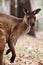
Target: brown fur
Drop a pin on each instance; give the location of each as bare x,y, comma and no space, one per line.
10,29
2,47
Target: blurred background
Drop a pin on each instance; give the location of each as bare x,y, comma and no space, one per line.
26,45
15,7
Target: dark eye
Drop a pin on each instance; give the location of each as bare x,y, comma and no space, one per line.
34,18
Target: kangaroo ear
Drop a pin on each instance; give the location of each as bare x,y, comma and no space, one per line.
36,11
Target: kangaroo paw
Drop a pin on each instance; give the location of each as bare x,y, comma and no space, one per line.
12,59
8,51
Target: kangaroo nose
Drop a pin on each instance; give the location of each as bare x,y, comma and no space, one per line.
33,24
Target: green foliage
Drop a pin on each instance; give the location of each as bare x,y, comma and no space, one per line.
6,0
0,1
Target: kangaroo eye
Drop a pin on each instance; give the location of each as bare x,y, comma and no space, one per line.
34,18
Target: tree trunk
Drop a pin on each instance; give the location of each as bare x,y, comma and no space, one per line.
17,10
13,8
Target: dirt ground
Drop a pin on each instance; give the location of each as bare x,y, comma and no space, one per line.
29,51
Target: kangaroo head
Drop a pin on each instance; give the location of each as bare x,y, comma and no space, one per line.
29,17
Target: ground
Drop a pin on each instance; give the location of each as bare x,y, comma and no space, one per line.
29,51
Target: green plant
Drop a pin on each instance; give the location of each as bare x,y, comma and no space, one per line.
0,1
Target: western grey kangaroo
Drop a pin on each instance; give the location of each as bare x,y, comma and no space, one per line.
30,19
11,28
